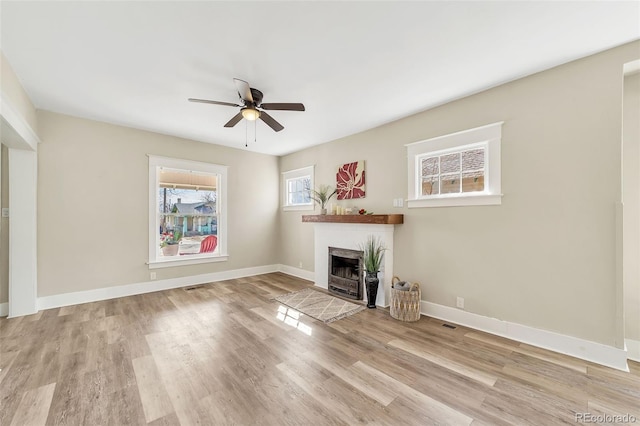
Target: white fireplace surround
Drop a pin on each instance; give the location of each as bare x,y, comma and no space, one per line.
352,236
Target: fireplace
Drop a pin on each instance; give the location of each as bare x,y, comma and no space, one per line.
345,272
351,236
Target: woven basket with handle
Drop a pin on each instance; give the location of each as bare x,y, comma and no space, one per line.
405,305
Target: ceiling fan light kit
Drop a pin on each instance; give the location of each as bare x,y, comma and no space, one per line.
250,114
252,107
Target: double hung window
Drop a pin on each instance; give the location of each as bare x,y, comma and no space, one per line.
187,212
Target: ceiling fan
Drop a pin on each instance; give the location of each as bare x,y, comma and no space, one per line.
252,106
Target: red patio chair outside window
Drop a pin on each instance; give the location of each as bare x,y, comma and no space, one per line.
209,244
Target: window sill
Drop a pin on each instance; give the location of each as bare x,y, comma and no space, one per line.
298,208
169,263
464,200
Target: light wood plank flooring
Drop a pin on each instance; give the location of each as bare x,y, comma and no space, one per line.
218,354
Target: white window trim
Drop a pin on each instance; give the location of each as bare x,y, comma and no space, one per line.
221,192
489,136
293,174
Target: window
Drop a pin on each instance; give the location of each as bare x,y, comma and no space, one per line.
187,212
296,187
456,170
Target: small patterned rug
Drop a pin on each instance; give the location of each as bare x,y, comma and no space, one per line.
318,305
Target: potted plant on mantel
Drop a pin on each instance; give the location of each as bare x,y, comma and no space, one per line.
322,195
373,253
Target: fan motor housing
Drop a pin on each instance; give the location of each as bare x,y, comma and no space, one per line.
257,96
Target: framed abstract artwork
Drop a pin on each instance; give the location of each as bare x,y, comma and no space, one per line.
350,181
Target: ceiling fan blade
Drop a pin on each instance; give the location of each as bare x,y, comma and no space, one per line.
283,107
243,89
270,121
206,101
236,118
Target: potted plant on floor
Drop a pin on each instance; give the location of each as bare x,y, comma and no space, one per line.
322,195
373,253
169,243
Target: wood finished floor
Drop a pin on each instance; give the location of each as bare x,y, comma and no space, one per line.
218,355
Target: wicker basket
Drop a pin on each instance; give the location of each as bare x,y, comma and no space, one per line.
405,305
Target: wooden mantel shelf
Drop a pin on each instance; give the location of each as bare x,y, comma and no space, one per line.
378,219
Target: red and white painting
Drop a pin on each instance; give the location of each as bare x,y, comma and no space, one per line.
350,180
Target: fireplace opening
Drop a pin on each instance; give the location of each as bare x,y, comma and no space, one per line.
345,272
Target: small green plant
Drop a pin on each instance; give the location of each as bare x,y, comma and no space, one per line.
373,250
322,195
170,238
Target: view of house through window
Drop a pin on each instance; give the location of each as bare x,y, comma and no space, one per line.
187,213
458,169
453,173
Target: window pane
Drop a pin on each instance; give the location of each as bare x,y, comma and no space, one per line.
473,181
430,166
187,218
298,191
450,163
473,160
430,186
449,184
306,183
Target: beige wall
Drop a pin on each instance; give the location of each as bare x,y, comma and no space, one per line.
4,226
546,257
16,95
93,204
631,198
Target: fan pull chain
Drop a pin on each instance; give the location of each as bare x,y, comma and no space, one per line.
246,133
255,131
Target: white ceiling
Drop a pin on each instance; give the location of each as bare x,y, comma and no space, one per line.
355,65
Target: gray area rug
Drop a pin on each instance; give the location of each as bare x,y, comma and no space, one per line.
318,305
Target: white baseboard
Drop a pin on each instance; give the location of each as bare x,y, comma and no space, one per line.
633,349
579,348
568,345
75,298
297,272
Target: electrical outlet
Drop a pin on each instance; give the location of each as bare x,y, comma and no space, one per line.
152,275
460,302
300,265
5,212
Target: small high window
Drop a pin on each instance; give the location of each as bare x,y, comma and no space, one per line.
458,172
297,185
458,169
